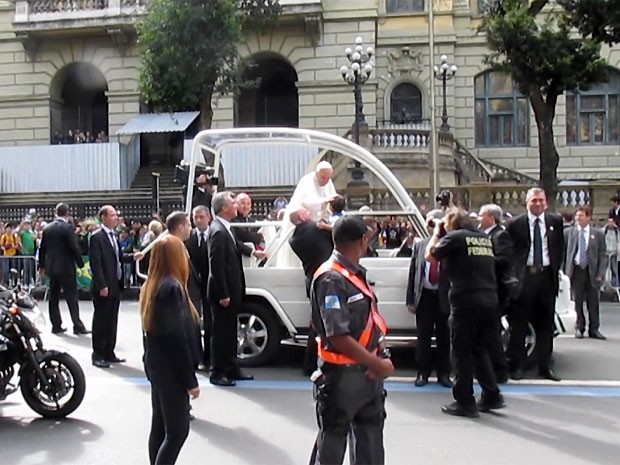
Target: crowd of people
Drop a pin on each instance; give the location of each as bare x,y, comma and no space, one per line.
79,137
196,286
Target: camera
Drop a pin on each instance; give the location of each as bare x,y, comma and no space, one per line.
444,198
181,174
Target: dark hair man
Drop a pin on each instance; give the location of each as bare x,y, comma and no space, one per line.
586,264
473,304
59,255
427,298
353,363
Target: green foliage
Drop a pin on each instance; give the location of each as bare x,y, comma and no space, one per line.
598,19
542,55
189,49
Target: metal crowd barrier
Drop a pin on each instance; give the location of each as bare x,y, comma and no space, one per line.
26,267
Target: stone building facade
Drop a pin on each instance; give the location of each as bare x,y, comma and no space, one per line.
75,63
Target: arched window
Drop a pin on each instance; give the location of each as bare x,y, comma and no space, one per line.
592,115
405,104
502,112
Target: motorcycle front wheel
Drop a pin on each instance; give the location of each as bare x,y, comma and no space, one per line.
65,388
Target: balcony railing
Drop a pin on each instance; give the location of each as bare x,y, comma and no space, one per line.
406,137
27,11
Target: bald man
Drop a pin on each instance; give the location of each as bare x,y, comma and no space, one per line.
244,210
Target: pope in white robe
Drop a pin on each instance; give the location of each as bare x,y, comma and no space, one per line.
313,192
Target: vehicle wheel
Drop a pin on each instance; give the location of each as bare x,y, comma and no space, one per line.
530,342
66,389
258,335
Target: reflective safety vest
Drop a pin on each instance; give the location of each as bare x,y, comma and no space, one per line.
375,320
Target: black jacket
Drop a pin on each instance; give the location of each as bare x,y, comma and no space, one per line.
199,269
247,234
60,253
504,270
519,230
167,355
103,263
226,277
313,246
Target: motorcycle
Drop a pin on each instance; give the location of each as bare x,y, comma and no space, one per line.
51,382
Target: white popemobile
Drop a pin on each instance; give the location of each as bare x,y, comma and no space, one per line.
276,310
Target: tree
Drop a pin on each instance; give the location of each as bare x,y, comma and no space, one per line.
545,58
598,19
189,50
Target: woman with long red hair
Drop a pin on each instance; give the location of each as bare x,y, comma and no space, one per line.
165,310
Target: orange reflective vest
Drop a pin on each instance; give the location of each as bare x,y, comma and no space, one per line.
375,320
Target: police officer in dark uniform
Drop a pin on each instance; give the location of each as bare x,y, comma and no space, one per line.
353,360
473,307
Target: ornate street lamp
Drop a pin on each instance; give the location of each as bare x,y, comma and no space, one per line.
444,73
356,74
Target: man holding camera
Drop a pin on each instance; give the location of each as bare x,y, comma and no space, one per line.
473,303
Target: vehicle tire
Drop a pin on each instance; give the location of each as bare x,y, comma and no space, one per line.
68,386
531,352
258,335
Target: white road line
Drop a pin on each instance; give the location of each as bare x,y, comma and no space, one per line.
535,382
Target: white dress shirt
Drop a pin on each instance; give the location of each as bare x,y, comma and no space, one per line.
226,224
543,234
114,244
205,235
426,284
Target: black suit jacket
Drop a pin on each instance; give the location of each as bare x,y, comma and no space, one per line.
247,234
199,269
614,216
104,263
504,269
226,277
313,246
519,230
60,253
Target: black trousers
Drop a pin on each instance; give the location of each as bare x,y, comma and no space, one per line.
584,291
349,406
431,320
224,339
535,304
472,337
169,423
68,284
105,325
207,331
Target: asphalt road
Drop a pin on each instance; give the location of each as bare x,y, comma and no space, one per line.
270,420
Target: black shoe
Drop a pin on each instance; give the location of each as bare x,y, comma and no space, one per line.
81,331
101,363
458,410
115,359
578,333
550,375
597,335
241,376
222,380
445,381
516,374
59,330
421,380
486,405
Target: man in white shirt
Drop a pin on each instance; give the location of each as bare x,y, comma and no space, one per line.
585,265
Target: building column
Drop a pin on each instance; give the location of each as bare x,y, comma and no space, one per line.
122,106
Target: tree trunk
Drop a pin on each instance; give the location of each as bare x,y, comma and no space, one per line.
544,112
206,113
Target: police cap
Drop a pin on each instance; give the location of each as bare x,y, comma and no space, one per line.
349,229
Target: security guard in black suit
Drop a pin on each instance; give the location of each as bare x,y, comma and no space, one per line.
353,361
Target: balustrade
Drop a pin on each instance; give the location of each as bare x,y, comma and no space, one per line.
58,6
